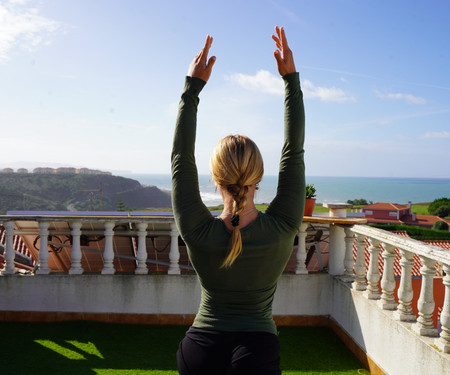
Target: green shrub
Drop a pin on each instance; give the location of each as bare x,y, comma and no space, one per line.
434,206
443,211
416,233
440,225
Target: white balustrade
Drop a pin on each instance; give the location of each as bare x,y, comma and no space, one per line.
348,260
9,253
174,254
387,301
337,250
108,253
301,251
425,304
373,273
405,293
76,268
141,255
42,264
443,343
360,265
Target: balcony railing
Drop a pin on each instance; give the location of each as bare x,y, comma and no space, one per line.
111,243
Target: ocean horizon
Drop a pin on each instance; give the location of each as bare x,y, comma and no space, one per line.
329,189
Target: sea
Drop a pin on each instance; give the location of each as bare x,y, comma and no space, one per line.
329,189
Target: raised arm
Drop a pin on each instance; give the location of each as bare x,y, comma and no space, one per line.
288,204
189,210
283,54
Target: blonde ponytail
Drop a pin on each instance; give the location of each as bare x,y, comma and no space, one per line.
236,163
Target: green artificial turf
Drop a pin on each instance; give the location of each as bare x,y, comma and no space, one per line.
83,348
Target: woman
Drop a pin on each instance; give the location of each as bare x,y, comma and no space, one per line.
240,255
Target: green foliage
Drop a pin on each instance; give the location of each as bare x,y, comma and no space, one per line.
440,225
434,206
121,206
443,211
359,202
310,191
416,233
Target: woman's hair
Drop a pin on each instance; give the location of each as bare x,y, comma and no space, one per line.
235,164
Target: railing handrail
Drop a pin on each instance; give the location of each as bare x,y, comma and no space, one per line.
417,247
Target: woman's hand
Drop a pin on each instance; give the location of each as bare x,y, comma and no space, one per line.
283,55
201,67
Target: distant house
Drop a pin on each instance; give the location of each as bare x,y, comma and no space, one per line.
7,170
42,170
392,213
22,170
85,171
66,170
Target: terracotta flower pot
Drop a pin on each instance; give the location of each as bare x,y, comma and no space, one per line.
309,206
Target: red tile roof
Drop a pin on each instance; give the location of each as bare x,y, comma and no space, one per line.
423,220
385,206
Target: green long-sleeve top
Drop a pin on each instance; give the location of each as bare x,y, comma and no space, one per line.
238,298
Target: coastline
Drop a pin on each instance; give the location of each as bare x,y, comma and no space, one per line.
329,189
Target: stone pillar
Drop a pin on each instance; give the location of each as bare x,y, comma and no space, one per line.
76,254
348,260
336,250
9,253
405,292
443,343
373,274
301,251
43,268
174,254
425,304
108,253
387,301
360,265
141,255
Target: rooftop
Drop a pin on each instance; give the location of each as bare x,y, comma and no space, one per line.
102,268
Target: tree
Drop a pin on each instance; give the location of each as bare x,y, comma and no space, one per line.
434,206
440,225
443,211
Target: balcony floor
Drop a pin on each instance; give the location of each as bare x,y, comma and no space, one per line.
106,349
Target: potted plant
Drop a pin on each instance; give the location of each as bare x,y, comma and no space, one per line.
310,201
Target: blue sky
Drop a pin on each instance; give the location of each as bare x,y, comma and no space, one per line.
96,83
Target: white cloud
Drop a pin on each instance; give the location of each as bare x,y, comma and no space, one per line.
440,135
266,82
22,26
399,96
326,94
263,81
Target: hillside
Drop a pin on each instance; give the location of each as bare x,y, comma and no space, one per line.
76,192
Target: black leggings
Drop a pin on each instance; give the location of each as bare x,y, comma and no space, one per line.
221,353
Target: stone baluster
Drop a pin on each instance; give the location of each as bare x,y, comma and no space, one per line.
387,301
348,260
360,265
141,255
42,264
405,292
108,253
373,273
301,250
9,253
76,255
337,250
425,304
443,343
174,254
